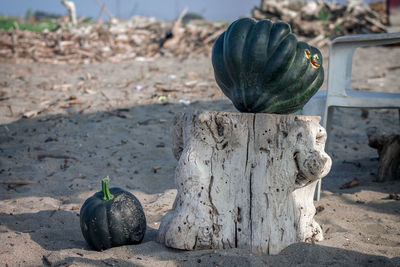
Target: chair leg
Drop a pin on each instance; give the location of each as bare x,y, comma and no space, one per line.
319,189
328,125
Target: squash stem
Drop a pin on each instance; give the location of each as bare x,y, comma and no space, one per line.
106,192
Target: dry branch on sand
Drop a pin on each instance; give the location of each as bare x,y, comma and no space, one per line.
323,20
388,146
114,41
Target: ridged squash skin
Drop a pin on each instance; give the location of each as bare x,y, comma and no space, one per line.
261,67
114,221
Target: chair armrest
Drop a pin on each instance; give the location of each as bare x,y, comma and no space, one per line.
368,39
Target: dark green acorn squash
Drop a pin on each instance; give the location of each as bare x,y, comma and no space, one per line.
112,217
262,67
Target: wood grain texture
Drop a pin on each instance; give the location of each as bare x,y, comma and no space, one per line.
388,146
245,180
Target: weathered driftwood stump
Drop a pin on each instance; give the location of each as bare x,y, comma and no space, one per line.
245,180
388,146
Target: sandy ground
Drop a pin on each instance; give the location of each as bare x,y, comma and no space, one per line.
89,121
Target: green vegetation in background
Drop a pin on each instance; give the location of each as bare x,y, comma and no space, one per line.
11,23
224,23
324,14
191,16
39,15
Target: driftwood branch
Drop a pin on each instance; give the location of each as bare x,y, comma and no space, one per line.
177,31
322,20
104,8
388,146
71,11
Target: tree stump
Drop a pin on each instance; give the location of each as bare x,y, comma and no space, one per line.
388,146
245,180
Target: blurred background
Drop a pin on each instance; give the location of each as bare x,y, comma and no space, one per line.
213,10
87,31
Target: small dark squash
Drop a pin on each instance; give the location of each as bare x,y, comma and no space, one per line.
112,217
261,67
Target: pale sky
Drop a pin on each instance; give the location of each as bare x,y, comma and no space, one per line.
224,10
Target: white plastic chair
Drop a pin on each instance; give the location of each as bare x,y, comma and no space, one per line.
339,92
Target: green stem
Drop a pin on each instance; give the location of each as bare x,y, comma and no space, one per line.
106,192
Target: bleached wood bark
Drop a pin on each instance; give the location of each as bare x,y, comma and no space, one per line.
245,180
70,5
388,146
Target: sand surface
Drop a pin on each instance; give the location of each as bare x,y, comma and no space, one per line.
89,121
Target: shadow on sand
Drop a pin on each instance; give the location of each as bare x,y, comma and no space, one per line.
67,155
